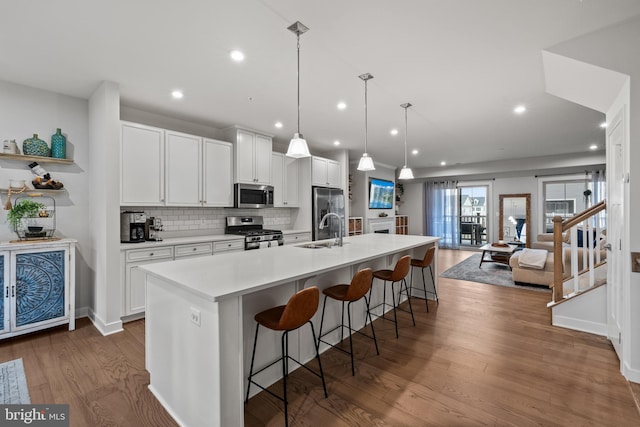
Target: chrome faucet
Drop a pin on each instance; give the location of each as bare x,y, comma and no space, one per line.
322,224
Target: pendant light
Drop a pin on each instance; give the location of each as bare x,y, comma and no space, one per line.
405,173
366,162
298,146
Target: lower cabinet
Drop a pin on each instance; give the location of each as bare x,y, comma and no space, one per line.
134,291
38,288
297,238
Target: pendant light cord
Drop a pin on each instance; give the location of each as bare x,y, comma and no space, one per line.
298,83
365,117
405,136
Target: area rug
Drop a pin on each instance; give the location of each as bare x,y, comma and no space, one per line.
490,273
13,383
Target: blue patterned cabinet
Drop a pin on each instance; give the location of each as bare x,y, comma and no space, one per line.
39,288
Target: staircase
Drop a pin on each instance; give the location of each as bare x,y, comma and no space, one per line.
579,298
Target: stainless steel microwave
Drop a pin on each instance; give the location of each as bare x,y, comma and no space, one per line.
253,196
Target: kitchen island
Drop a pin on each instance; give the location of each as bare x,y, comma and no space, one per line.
200,326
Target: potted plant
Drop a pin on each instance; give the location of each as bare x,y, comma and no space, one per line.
24,209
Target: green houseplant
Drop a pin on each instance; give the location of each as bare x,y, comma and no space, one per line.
24,209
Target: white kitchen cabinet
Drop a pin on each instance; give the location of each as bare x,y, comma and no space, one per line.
228,246
141,165
134,286
183,177
285,178
294,238
38,287
252,156
193,250
217,177
325,172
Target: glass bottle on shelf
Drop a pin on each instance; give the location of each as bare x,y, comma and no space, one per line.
58,145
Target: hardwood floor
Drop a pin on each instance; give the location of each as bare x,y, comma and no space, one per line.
486,355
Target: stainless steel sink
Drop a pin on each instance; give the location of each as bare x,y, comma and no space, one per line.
319,245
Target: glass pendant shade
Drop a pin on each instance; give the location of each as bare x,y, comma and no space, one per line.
298,147
366,163
406,173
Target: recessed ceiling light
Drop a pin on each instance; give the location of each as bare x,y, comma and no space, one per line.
177,94
414,152
237,55
520,109
603,125
394,132
341,105
443,163
593,147
278,125
336,142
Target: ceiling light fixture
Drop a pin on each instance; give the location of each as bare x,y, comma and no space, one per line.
443,163
366,162
298,146
336,142
341,105
278,125
237,55
593,147
177,94
520,109
414,152
603,125
394,132
405,172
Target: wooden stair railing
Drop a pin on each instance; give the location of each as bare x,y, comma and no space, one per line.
569,225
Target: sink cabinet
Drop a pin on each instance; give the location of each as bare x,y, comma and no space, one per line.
38,287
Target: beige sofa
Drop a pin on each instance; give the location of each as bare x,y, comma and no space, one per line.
545,275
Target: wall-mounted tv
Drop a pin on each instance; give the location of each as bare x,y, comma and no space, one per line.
380,194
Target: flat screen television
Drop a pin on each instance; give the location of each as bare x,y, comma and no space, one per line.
380,194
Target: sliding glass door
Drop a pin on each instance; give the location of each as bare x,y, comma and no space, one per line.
472,220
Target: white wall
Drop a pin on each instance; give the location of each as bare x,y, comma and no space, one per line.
25,111
412,205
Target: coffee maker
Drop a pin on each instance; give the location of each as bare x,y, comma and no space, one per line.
152,227
132,225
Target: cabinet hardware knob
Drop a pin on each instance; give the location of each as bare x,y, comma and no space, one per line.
151,254
13,291
195,249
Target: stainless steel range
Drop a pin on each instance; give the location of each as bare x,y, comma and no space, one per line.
255,237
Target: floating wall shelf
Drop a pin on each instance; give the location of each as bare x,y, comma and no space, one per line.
39,159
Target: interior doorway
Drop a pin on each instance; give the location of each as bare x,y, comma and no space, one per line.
472,221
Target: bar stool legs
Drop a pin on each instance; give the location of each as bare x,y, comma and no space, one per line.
358,288
397,275
298,311
427,261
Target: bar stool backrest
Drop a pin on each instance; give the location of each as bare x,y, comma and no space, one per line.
428,257
360,285
299,309
401,269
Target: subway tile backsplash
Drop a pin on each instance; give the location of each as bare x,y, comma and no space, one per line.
177,219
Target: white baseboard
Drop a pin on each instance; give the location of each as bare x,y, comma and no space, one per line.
630,373
580,325
105,328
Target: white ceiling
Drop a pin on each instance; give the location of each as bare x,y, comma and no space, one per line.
463,64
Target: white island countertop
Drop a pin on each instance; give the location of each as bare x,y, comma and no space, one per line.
237,273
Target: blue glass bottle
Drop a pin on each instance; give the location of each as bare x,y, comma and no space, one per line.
58,145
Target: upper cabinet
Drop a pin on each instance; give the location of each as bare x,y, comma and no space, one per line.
325,172
166,168
285,179
141,165
252,156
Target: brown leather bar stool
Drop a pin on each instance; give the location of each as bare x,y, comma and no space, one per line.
397,275
360,285
423,263
299,310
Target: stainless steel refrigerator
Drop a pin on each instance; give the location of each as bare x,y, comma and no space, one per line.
327,200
